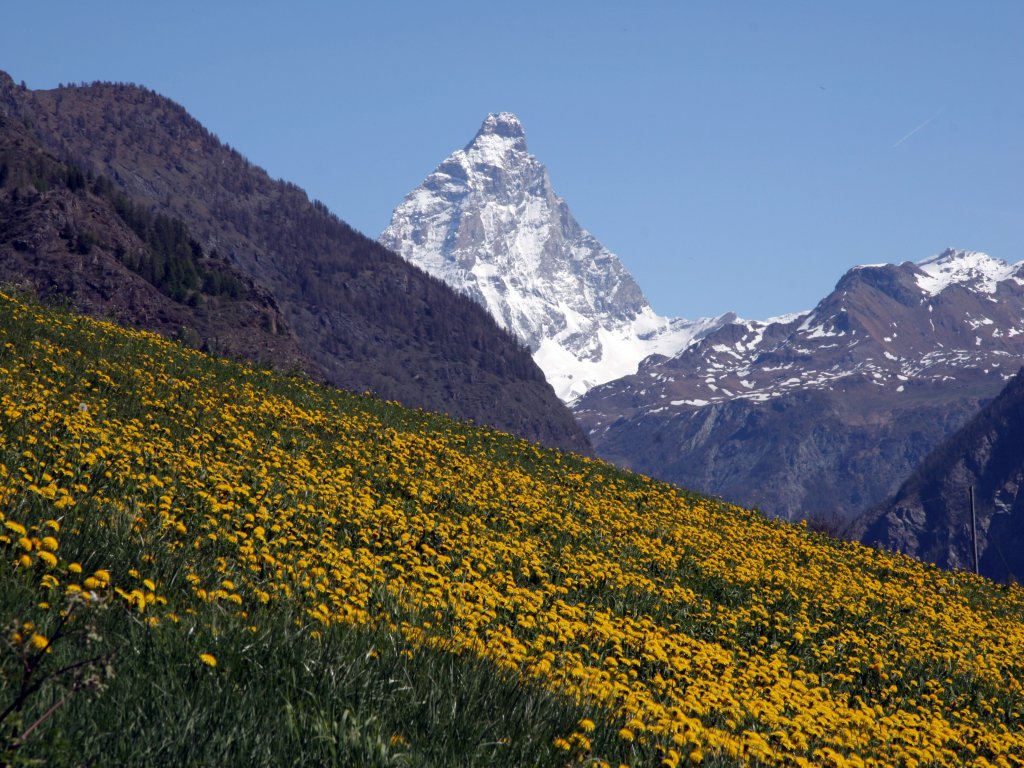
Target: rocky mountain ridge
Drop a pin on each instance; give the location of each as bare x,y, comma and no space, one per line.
892,324
487,221
822,413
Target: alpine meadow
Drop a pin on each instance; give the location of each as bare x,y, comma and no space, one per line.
208,563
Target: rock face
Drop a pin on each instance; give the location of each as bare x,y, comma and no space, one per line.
357,315
929,516
489,224
822,414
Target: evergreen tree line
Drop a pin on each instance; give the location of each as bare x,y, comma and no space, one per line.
172,261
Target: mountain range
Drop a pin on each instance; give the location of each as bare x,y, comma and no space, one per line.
818,414
823,413
116,199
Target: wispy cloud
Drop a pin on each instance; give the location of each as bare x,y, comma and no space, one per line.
918,128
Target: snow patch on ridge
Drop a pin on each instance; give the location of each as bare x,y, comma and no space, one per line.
979,270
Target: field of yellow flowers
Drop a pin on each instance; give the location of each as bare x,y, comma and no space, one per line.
247,540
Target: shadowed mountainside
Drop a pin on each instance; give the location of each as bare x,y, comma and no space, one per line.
929,517
359,315
822,415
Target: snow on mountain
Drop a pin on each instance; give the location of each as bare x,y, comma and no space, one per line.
823,412
895,326
489,224
976,270
921,333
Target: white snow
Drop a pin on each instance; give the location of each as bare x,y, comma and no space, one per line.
488,223
787,318
982,272
622,349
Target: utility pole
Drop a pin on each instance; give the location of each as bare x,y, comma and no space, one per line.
974,530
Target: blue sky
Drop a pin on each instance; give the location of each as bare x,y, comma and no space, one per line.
735,155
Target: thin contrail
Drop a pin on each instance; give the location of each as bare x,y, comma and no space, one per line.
922,125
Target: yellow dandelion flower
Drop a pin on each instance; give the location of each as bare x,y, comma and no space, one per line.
39,642
208,659
47,557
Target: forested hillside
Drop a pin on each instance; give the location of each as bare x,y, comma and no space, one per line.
359,313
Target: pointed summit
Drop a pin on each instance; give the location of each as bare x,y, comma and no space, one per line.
503,124
489,224
501,141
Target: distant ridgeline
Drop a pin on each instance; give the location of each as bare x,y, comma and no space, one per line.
118,200
822,414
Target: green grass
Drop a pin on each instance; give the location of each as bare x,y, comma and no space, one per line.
278,696
743,594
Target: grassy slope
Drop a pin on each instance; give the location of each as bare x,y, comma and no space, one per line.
383,587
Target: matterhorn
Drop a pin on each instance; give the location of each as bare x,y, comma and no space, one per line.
489,224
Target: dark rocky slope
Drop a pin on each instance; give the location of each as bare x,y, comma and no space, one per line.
63,239
929,516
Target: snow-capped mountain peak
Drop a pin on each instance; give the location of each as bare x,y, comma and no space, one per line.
500,142
488,222
977,270
504,124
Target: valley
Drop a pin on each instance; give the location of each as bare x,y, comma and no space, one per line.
819,415
272,492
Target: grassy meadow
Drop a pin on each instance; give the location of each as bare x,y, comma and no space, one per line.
202,563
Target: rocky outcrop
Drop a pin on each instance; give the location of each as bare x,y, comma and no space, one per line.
929,516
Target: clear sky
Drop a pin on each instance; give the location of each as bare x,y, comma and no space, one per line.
735,155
